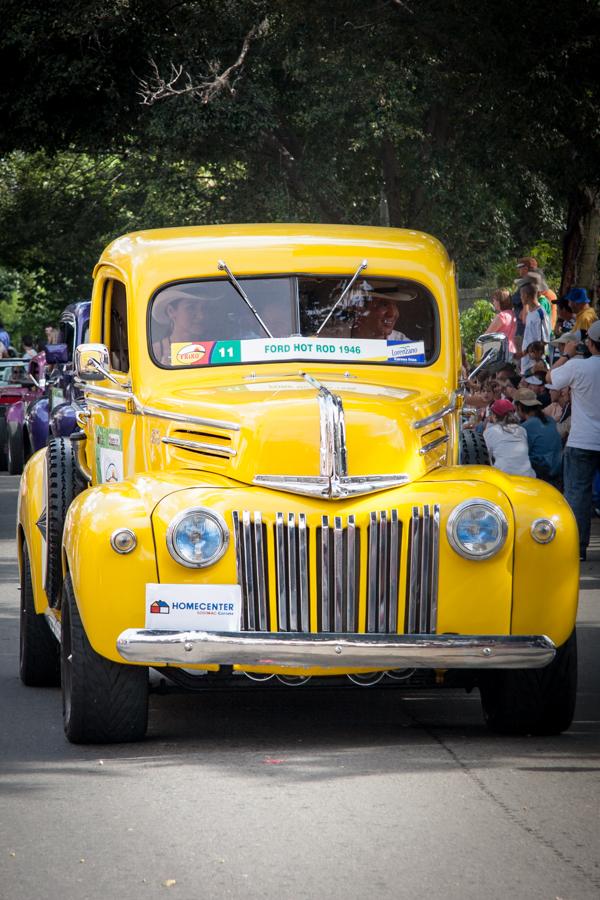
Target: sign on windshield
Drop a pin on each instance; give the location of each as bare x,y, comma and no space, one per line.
208,323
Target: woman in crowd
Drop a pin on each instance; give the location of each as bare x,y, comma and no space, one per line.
545,445
505,321
506,441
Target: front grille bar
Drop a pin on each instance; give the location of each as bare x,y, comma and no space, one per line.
422,582
338,584
291,566
383,572
251,561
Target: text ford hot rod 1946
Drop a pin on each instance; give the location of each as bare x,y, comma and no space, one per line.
268,479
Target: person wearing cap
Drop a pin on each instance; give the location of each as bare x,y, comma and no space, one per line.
580,304
506,440
582,453
545,445
536,384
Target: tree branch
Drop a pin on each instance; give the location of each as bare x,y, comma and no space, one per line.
180,83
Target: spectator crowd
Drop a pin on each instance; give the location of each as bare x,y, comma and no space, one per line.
539,413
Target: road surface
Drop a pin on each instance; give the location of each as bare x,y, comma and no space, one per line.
299,792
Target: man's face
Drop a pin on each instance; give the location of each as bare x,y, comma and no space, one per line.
380,316
522,270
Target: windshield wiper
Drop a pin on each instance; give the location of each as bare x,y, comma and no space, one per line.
362,266
223,267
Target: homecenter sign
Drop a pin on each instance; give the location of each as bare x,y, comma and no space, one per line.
194,607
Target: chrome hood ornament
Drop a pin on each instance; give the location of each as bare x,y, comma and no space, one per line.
333,481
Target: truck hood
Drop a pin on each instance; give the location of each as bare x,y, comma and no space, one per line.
309,435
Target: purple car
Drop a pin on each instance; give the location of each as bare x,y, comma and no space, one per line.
49,410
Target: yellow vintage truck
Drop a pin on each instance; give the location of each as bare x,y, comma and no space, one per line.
271,479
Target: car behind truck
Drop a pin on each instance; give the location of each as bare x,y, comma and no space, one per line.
271,477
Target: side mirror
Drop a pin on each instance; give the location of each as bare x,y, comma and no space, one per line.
57,353
492,346
92,362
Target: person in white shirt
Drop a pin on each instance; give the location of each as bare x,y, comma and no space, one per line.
507,441
582,453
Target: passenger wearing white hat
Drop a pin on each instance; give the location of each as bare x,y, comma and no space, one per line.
181,311
379,314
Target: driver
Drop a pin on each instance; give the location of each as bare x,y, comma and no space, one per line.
377,314
183,315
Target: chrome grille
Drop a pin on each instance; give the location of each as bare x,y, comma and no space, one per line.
422,581
326,559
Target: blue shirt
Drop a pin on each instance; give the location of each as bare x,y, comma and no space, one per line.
4,337
545,445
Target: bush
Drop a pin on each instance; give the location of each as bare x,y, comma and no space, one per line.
473,322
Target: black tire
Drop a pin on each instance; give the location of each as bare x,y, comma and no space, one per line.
473,449
39,651
15,448
3,444
532,701
63,484
103,702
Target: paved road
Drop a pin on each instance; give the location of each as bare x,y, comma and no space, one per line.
299,793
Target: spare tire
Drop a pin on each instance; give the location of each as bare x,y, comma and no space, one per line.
63,483
473,450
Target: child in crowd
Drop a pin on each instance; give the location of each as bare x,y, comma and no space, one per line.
507,441
535,356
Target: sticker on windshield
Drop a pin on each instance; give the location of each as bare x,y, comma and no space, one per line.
406,351
257,350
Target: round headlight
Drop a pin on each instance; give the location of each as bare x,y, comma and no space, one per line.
197,537
477,529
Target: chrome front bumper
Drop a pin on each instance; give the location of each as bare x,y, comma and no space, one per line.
376,651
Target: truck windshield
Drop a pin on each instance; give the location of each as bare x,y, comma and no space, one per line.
380,320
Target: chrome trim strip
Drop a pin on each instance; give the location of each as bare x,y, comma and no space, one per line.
104,404
292,593
261,581
338,574
435,563
397,651
53,623
325,613
351,623
216,449
424,580
429,420
372,575
110,393
280,566
303,572
413,587
248,572
383,572
433,444
191,420
392,624
331,488
237,535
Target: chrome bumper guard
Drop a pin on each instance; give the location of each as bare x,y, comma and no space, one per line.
377,651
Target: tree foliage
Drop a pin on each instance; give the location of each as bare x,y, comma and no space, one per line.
473,121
